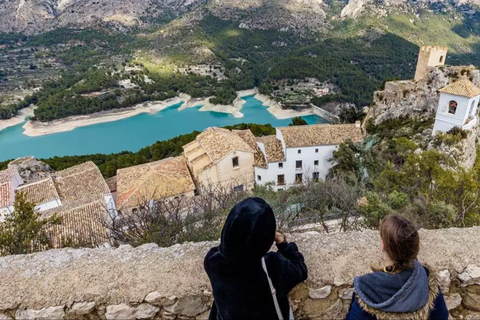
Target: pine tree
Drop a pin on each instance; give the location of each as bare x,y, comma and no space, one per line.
25,231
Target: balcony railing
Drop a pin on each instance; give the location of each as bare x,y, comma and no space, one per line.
470,123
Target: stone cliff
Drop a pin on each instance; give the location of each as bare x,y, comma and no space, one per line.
169,283
37,16
419,99
409,98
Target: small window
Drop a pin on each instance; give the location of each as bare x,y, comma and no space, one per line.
472,109
280,165
299,151
316,176
259,178
238,188
441,59
235,162
280,189
299,164
298,178
316,150
281,179
452,107
315,162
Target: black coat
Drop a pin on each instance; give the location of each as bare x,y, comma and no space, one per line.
240,286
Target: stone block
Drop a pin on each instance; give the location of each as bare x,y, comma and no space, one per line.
471,275
146,311
321,293
154,298
120,311
81,308
453,301
471,299
444,280
3,316
45,313
190,306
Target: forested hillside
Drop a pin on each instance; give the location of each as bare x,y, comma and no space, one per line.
253,44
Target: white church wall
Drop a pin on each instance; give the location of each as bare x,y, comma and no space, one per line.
444,120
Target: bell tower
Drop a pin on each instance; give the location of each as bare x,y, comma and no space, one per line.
429,57
457,106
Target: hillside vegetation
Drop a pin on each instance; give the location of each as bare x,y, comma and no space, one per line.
356,54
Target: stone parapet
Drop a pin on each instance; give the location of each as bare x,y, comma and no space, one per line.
149,282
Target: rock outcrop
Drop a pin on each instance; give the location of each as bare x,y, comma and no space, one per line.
409,98
31,169
35,16
169,283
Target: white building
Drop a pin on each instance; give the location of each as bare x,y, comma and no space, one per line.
457,106
9,181
300,153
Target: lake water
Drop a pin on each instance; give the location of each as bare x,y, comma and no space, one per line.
133,133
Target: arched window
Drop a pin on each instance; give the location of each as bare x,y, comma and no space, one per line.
441,59
472,109
452,107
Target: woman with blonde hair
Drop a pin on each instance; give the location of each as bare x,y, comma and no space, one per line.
403,289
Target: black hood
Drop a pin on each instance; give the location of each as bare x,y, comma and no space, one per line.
249,230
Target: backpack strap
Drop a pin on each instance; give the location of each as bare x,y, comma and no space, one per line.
272,289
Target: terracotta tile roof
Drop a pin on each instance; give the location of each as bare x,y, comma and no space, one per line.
40,192
463,87
273,148
249,138
81,226
218,143
320,134
80,184
5,194
165,178
7,175
89,165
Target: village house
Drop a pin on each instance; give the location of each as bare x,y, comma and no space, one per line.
154,181
298,154
457,106
221,157
78,195
9,181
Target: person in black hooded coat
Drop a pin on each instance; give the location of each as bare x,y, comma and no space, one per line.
239,283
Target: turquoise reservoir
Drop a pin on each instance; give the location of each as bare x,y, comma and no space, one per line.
133,133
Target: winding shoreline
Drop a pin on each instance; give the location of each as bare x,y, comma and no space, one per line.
18,119
35,129
276,109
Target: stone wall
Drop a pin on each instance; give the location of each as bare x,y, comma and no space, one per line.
169,283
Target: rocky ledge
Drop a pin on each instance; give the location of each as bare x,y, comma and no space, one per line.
149,282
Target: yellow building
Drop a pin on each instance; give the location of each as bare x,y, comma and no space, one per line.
429,57
221,157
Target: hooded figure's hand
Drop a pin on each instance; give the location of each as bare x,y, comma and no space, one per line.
280,237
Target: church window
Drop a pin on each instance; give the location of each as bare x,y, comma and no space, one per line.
452,107
472,109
